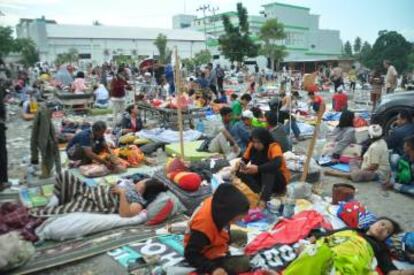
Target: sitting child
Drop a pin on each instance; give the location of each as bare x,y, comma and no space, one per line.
101,97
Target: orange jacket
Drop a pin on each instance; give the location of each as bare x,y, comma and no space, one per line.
274,151
202,221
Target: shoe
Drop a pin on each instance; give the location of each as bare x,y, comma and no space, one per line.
387,186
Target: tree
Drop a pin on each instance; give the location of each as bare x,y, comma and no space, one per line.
410,66
391,46
348,49
236,43
365,52
357,45
270,33
27,48
161,44
6,41
202,57
68,57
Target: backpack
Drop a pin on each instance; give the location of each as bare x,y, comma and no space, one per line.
404,175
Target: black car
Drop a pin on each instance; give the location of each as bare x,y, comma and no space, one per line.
389,106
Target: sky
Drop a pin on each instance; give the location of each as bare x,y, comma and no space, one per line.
352,18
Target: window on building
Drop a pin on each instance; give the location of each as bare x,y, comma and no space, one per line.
85,56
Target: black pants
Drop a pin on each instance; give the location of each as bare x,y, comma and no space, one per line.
338,82
3,155
213,88
352,86
220,81
266,183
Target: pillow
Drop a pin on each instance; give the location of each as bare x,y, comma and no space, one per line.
159,209
141,141
188,181
93,170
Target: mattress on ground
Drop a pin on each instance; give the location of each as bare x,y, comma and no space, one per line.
191,200
190,150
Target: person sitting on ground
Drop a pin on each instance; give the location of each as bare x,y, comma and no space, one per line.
370,242
240,131
101,96
404,127
245,99
344,134
208,235
375,164
131,121
30,108
258,120
263,167
340,100
86,145
78,85
403,169
277,131
284,113
316,101
236,107
222,141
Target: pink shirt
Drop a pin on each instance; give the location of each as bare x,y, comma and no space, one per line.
78,86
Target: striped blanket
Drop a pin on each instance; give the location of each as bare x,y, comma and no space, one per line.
75,196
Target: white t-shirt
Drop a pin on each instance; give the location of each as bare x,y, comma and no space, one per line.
391,77
101,93
377,153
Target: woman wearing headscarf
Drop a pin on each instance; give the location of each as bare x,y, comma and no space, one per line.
263,167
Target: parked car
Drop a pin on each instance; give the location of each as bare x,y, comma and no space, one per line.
389,106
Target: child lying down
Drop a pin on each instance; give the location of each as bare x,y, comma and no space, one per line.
349,251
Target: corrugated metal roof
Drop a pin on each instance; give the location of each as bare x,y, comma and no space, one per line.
117,32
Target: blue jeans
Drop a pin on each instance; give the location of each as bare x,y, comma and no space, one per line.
294,127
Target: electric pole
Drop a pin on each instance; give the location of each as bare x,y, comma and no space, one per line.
204,8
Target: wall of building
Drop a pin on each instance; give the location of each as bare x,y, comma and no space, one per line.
99,49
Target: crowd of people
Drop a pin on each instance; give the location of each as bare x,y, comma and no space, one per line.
247,131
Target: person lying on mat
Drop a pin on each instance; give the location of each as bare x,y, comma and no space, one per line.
133,198
344,134
263,167
86,145
131,121
349,251
207,237
127,198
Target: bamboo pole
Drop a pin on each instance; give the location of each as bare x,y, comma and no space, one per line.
178,92
312,145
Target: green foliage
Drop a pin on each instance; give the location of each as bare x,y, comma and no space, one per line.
164,53
365,52
357,44
348,49
410,60
392,46
27,48
270,32
236,43
71,56
6,41
200,58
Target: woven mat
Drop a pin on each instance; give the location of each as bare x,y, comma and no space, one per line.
52,254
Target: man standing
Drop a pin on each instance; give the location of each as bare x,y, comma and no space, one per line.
212,79
390,77
118,87
220,77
